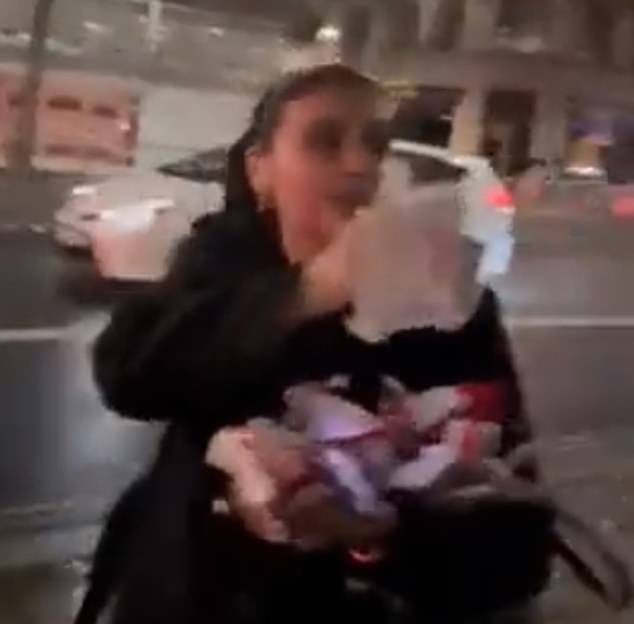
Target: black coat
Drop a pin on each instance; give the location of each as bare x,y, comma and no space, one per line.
216,343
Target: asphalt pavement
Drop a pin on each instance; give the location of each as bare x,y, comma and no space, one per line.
63,457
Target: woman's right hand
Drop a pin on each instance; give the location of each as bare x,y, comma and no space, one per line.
326,278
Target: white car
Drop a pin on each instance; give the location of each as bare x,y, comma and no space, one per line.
478,185
486,205
131,222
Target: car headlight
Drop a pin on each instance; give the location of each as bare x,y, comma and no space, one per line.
137,216
83,190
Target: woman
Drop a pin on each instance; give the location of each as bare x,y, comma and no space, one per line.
255,302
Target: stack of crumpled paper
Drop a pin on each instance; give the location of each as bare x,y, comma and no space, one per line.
330,460
327,473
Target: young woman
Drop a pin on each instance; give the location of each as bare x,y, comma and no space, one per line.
255,302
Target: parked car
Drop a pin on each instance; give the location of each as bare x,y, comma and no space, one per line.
131,222
473,178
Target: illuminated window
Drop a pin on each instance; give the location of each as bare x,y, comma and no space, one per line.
64,102
105,111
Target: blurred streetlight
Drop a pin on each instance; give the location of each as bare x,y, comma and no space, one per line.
154,24
329,33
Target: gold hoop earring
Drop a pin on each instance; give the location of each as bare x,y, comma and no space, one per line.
264,205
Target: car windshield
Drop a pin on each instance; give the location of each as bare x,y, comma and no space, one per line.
207,166
428,169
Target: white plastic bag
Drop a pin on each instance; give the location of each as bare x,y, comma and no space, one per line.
422,256
411,267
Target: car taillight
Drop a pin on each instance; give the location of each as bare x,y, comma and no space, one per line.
623,207
500,198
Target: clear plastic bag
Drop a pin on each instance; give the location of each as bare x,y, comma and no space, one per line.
422,256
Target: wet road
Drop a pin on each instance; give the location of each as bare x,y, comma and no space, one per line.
63,457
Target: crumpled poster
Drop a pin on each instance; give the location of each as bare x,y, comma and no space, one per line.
423,255
329,458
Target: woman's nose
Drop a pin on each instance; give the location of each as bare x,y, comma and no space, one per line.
356,158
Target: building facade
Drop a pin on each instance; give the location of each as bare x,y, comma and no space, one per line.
514,79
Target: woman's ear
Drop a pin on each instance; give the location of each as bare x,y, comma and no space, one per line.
258,172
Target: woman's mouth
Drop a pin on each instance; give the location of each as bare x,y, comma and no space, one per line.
354,195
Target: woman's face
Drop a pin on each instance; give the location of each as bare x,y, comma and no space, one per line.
322,165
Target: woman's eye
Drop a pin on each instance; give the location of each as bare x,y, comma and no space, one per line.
376,138
324,138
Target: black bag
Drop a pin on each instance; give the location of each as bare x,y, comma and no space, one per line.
481,540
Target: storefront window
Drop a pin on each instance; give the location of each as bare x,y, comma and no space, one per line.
601,143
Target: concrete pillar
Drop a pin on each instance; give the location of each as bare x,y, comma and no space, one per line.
480,24
623,39
429,13
154,24
374,57
549,132
468,123
355,21
565,26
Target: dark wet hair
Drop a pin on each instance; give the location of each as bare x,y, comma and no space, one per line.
268,112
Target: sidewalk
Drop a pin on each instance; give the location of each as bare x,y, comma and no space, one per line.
592,473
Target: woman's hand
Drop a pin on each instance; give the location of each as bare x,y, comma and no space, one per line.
328,276
316,518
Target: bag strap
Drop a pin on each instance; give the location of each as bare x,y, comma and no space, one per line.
599,568
604,573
